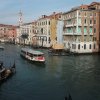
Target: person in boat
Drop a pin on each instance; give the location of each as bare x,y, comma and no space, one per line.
13,68
66,98
69,97
1,65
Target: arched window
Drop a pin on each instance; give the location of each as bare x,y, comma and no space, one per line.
85,21
41,30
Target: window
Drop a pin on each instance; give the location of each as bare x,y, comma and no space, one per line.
94,14
90,14
49,40
79,13
94,46
79,46
84,46
79,29
94,21
90,30
59,16
79,21
94,39
94,30
85,21
90,46
73,46
85,29
85,13
90,21
49,22
42,23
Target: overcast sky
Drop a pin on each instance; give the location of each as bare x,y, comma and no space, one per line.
33,9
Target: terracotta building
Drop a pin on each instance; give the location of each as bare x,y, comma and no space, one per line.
7,33
96,7
11,33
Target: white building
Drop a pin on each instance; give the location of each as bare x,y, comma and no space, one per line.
43,31
26,33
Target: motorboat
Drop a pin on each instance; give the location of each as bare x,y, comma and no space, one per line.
32,55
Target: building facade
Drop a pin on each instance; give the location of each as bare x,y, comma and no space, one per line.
43,31
26,33
47,29
7,33
56,30
81,29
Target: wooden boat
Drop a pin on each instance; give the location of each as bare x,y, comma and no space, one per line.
1,48
58,52
5,73
32,55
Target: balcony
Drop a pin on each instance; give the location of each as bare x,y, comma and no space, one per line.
88,34
71,34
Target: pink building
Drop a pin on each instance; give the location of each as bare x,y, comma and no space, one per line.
7,32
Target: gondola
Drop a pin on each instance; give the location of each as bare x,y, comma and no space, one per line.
5,73
68,98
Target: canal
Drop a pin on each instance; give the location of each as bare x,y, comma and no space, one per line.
61,75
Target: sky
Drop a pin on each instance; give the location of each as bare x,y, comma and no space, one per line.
34,9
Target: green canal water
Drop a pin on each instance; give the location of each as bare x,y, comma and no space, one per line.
61,75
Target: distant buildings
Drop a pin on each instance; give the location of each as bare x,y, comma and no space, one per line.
26,33
7,33
77,30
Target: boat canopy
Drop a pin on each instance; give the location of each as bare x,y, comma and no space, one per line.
32,51
1,47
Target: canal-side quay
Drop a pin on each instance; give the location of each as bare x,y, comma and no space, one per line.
61,75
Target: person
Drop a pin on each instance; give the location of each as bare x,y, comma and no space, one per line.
66,98
69,97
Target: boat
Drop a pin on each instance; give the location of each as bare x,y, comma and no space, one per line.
32,55
68,98
58,50
1,48
5,73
